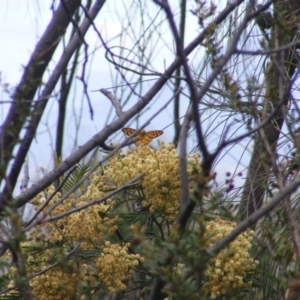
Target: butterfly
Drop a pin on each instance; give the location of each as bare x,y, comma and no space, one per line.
145,136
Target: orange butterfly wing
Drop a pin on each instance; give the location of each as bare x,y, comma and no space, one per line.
154,133
149,136
128,131
145,137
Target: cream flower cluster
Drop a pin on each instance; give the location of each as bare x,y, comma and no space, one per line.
89,227
91,224
114,266
227,270
161,184
63,283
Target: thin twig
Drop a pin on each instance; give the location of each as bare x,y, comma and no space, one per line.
114,101
110,52
24,183
184,181
122,85
51,197
77,209
225,143
271,51
252,219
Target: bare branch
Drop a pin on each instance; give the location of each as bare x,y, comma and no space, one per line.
24,183
114,101
74,210
269,51
51,197
182,158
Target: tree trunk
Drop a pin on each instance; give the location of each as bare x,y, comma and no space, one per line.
278,76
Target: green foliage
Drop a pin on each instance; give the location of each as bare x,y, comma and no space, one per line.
76,175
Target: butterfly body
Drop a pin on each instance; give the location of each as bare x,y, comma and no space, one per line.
145,136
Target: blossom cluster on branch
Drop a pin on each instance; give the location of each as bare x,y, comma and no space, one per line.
161,183
227,270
